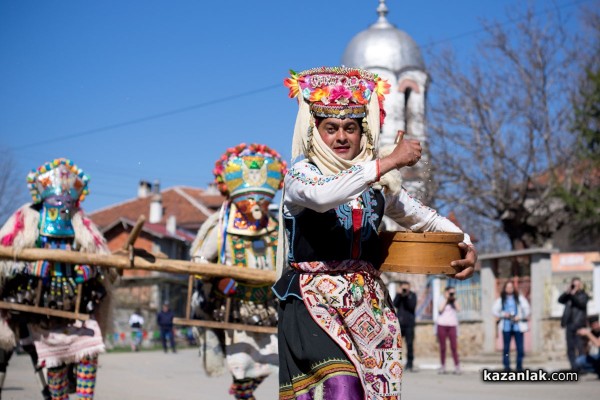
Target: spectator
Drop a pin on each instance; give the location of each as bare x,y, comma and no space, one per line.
405,303
512,309
447,327
590,362
164,319
574,317
136,323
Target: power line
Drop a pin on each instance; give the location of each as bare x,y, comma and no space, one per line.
259,90
505,23
145,119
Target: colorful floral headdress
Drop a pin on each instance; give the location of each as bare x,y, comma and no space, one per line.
58,177
253,168
338,92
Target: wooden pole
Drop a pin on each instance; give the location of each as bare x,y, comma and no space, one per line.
135,232
224,325
148,263
43,311
78,299
188,307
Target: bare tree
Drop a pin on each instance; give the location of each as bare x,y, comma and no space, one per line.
581,192
12,187
500,129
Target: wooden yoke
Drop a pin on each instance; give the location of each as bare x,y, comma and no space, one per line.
135,232
139,261
146,262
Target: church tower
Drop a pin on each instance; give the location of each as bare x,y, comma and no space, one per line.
394,55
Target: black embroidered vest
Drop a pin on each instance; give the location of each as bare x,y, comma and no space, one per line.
333,235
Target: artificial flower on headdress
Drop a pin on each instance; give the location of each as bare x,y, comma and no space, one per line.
58,177
292,84
253,168
337,91
382,88
320,94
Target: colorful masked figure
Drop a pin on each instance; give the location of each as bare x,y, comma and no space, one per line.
243,234
55,221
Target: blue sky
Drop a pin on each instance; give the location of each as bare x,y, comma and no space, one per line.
158,89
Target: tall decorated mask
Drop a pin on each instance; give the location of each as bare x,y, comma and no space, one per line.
249,176
59,186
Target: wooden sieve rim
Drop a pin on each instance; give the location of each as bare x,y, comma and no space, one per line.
428,237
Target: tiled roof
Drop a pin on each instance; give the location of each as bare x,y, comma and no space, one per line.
583,172
190,206
157,230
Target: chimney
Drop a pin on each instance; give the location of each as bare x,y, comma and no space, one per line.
156,208
172,224
144,189
212,189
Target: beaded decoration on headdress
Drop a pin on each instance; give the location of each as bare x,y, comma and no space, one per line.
338,92
249,169
58,177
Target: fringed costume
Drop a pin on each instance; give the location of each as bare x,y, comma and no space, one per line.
55,221
243,234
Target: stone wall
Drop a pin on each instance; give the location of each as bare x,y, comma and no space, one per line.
470,340
554,344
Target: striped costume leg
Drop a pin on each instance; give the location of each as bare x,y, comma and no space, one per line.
243,389
86,377
57,383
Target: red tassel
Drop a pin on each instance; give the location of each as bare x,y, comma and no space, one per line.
19,225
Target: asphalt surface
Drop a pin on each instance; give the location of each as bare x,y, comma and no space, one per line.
154,375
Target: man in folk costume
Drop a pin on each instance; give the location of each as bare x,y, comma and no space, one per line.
339,336
243,234
55,221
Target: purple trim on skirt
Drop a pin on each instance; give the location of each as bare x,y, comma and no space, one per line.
341,387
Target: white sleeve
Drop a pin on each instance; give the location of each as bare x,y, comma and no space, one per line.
206,250
412,214
497,308
306,187
526,309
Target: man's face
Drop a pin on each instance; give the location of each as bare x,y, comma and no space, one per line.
576,284
342,136
405,287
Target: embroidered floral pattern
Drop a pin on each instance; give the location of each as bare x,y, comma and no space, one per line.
365,327
321,180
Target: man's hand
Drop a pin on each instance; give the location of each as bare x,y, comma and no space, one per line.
466,266
406,153
584,332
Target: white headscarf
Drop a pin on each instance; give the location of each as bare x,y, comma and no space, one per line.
308,143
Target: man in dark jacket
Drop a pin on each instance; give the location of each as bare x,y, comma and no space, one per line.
164,319
574,317
405,304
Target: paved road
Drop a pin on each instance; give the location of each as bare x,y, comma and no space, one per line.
153,375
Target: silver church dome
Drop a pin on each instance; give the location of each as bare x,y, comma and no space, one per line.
383,45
